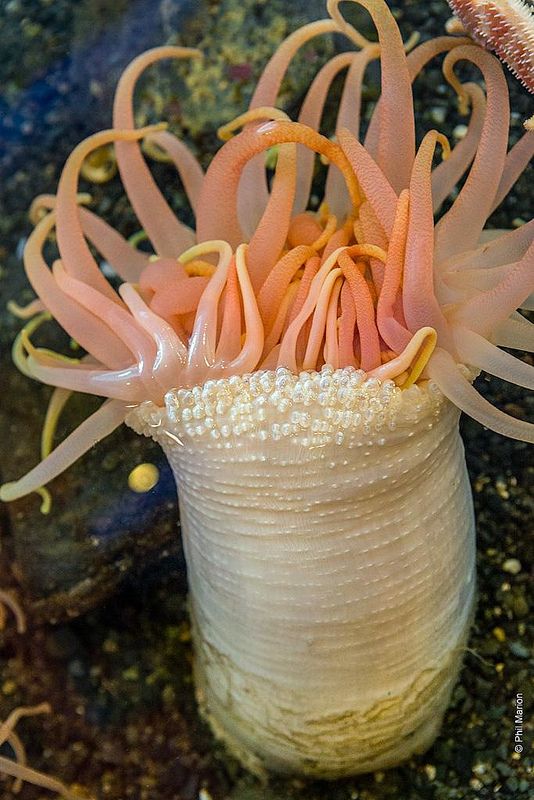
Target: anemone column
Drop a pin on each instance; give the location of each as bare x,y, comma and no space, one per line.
328,529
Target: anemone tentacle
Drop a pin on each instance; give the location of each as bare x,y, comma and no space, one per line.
476,196
446,175
311,114
253,190
517,159
72,246
396,109
348,118
168,235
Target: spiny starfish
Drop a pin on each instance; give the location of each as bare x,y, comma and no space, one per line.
507,28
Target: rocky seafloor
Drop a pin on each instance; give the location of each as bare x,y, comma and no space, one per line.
102,577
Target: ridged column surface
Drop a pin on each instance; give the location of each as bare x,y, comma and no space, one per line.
331,569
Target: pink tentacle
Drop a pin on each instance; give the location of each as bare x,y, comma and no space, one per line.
310,114
171,354
73,248
84,327
288,349
161,273
348,118
469,282
281,319
445,373
202,343
222,177
310,271
517,160
95,428
253,191
373,233
190,172
270,235
125,384
365,311
338,239
331,345
515,333
447,174
169,236
252,348
393,333
395,154
477,351
318,325
229,343
372,180
179,298
509,247
421,308
347,327
276,284
127,261
119,319
485,310
459,229
416,60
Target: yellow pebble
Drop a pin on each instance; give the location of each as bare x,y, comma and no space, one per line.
499,634
143,478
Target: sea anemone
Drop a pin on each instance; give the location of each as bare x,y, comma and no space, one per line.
304,371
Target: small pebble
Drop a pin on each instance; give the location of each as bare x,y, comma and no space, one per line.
438,114
131,674
77,668
459,131
499,634
512,566
519,650
520,607
110,646
430,771
168,695
512,783
502,490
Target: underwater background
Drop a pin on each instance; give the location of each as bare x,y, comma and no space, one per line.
102,577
